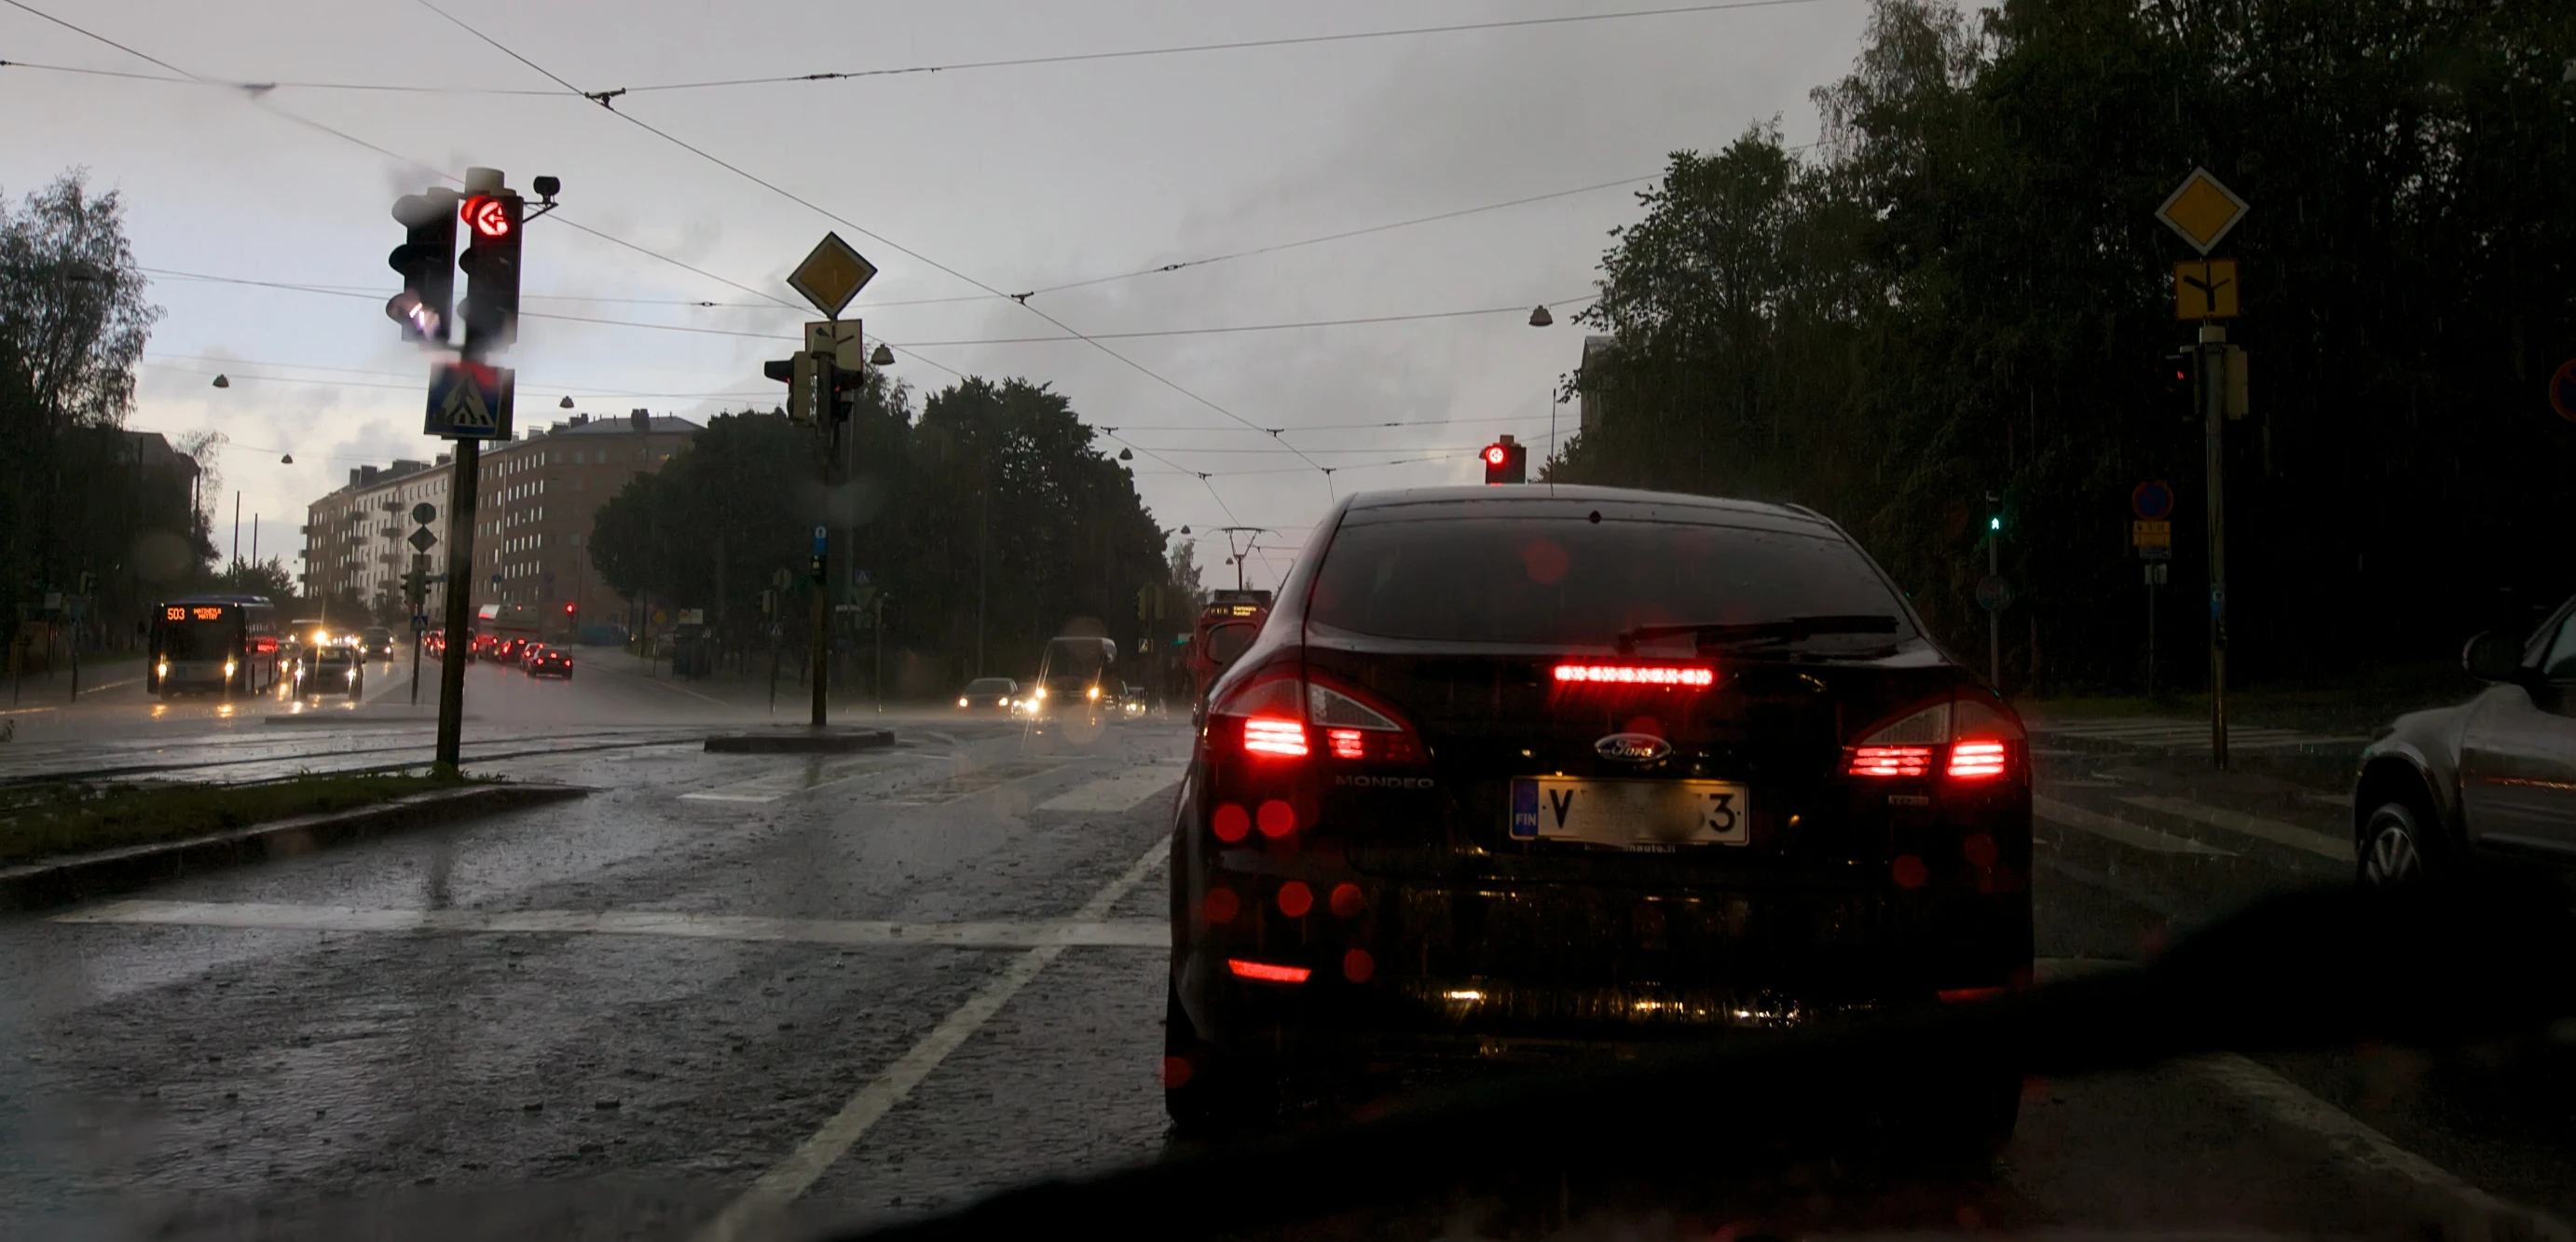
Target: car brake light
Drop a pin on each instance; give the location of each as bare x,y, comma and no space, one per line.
1974,760
1267,972
1270,735
1277,711
1976,734
1686,676
1890,761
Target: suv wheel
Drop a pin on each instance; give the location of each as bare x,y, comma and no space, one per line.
2393,847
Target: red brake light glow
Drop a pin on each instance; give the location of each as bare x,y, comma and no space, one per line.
1890,760
1267,972
1689,676
1270,735
1346,743
1976,760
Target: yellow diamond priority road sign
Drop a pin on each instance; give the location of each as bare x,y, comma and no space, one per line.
2201,210
832,275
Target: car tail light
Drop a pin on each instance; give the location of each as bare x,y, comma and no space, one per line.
1281,715
1966,739
1267,972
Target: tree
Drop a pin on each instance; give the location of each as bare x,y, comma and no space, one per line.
1962,289
73,321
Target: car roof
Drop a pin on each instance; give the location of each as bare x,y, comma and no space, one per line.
1568,500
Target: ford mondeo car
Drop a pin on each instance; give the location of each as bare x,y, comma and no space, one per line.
1549,770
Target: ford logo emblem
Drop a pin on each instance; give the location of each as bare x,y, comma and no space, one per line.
1632,748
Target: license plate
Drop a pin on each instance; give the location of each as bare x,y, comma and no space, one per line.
1630,813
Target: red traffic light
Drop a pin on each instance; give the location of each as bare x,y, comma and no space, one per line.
490,217
1496,454
1506,461
567,610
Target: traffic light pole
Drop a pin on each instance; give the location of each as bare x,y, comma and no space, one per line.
460,603
2213,386
821,659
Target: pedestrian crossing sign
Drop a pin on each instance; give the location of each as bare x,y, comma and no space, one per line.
470,401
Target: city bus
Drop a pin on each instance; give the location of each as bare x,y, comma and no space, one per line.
225,643
1225,627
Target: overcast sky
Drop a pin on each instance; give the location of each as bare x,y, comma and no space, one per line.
1020,177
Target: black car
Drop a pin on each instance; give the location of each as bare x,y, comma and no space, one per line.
1529,770
2494,775
549,662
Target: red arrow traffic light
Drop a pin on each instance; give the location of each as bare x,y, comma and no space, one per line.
489,216
1506,461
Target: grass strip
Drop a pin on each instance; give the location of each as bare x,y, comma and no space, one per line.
76,818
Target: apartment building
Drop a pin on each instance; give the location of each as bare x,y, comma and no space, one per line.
533,507
536,501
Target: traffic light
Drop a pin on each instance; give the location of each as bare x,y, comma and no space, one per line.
1506,461
1997,512
427,261
491,266
2174,389
569,609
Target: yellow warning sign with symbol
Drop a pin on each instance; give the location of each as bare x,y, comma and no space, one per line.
2201,209
2205,289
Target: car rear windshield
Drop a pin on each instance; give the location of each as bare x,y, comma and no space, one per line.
1548,581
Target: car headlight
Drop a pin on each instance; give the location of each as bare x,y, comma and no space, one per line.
162,669
353,675
1002,702
1094,694
961,702
229,666
1041,693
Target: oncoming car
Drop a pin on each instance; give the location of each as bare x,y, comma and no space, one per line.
334,669
988,695
1522,771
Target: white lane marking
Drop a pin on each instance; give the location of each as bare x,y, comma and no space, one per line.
1114,793
2462,1210
795,1175
1080,929
2120,830
112,685
2274,831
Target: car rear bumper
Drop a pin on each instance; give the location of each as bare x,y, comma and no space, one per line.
1491,970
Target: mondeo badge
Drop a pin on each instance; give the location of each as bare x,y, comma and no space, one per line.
1632,748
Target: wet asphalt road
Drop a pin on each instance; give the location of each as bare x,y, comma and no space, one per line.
770,992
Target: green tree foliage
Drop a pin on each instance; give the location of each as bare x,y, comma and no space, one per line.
74,493
1963,288
997,484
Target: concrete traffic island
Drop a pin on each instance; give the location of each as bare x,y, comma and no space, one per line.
800,740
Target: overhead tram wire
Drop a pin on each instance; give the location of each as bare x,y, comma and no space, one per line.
605,101
1235,45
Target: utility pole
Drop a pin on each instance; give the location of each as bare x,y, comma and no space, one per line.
880,635
2213,383
1995,615
983,507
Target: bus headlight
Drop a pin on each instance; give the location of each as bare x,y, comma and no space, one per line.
162,669
1094,695
229,668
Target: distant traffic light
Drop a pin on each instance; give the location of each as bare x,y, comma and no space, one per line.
427,261
568,608
491,266
2174,389
1506,461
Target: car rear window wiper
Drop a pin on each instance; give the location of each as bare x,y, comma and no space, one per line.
1785,630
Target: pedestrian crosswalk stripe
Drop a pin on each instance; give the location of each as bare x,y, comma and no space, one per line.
2323,844
2068,815
1114,793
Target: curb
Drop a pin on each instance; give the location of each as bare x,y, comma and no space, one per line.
800,741
64,881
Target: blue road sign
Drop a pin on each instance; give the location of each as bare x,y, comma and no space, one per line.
2562,391
2152,502
470,401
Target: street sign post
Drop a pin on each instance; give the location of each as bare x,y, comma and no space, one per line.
840,340
2152,502
2205,289
2201,210
421,540
470,401
831,274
